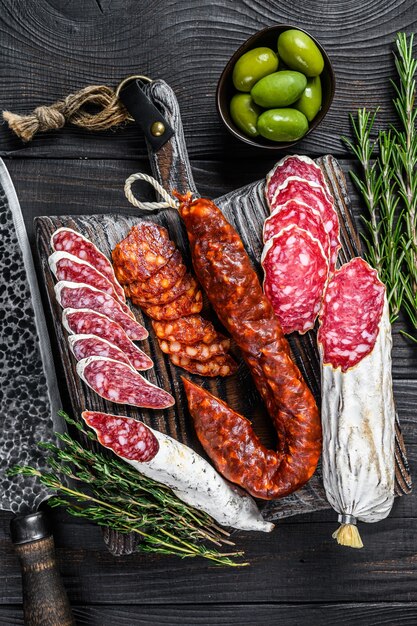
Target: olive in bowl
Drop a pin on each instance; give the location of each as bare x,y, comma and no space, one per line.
276,88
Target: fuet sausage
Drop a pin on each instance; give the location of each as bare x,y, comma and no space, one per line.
224,270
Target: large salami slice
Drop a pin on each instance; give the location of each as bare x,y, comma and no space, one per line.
294,165
87,322
119,383
296,270
142,253
68,240
182,285
79,296
312,194
299,214
83,346
177,466
188,303
190,329
160,282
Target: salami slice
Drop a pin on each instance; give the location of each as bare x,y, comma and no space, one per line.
83,346
79,296
188,303
296,270
70,268
68,240
313,195
351,314
190,329
87,322
299,214
197,351
294,165
221,365
142,253
181,286
119,383
164,279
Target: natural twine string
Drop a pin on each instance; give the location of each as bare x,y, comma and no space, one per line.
169,201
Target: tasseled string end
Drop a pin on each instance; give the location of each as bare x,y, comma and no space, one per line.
348,534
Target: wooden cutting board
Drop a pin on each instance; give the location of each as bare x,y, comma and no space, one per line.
246,210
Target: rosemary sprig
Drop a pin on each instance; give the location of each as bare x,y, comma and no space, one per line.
109,492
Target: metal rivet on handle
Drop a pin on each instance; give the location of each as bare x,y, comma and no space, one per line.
157,129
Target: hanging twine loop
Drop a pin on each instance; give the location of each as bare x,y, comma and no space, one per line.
168,200
72,110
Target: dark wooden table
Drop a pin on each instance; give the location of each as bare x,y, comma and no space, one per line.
50,48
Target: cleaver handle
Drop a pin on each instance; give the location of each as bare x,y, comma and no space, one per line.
45,602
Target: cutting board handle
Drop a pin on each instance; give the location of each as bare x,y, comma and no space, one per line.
170,164
45,601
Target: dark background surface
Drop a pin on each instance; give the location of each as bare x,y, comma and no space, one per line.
49,48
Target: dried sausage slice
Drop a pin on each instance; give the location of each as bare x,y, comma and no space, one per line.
296,271
294,165
351,314
188,303
182,285
83,346
191,329
79,296
87,322
198,351
118,382
221,365
164,279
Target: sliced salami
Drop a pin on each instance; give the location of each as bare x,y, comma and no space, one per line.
197,351
313,195
119,383
351,314
181,286
68,240
190,329
83,346
160,282
294,165
221,365
142,253
299,214
88,322
79,296
296,270
188,303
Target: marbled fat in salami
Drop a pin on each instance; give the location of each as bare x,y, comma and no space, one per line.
351,314
68,240
79,296
164,279
313,195
299,214
87,322
220,365
190,329
189,303
83,346
119,383
182,285
197,351
296,271
294,165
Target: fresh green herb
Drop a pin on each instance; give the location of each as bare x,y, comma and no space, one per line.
109,492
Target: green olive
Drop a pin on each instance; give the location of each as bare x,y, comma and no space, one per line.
310,100
279,89
300,52
252,66
245,113
282,124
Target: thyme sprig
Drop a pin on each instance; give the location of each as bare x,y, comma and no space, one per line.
109,492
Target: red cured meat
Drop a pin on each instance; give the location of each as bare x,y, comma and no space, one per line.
119,383
79,296
128,438
142,253
298,214
83,346
220,365
68,240
198,351
160,282
296,271
313,195
190,329
87,322
351,314
188,303
183,284
294,165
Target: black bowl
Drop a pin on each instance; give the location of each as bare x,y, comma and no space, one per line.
225,89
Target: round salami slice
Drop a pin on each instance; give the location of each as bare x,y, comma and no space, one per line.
87,322
79,296
181,286
119,383
160,282
313,195
190,329
68,240
296,270
294,165
142,253
221,365
197,351
189,303
351,314
83,346
299,214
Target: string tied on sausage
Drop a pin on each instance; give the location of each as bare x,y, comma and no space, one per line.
167,200
348,534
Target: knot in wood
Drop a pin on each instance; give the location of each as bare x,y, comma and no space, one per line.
49,118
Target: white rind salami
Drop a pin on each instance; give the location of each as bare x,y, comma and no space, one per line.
294,165
80,296
181,469
120,383
83,346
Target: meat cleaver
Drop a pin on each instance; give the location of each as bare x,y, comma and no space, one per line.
29,404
